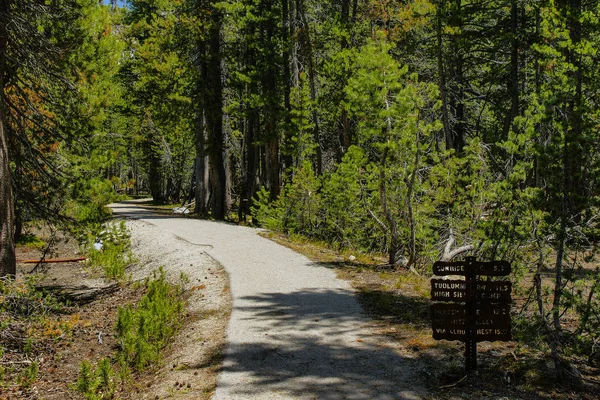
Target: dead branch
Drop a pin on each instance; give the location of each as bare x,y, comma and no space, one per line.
449,254
453,384
52,260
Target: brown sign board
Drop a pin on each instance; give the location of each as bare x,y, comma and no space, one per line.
455,295
493,297
484,314
456,291
480,286
486,268
481,334
495,322
491,322
440,310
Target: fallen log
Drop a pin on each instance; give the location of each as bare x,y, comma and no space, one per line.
52,260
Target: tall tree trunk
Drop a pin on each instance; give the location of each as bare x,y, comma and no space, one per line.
312,82
201,165
269,83
286,27
250,157
344,123
412,245
295,43
155,176
7,213
457,132
394,245
442,77
213,103
513,82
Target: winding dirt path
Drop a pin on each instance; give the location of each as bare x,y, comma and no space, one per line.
296,331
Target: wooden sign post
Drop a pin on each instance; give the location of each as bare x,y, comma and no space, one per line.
473,310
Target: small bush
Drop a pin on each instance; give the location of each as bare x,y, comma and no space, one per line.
95,383
29,376
31,241
142,332
89,200
114,255
145,330
86,381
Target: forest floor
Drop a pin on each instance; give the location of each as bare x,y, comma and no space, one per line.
397,302
85,329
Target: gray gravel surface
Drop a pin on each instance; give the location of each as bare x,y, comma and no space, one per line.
296,331
187,369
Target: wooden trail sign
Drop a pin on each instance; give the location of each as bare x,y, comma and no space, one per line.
475,310
455,290
489,268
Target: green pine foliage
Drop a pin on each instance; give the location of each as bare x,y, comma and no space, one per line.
144,330
114,256
375,126
96,383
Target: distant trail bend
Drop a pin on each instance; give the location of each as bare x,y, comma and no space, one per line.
296,331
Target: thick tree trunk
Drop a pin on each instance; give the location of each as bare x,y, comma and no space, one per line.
250,159
272,167
201,166
295,43
214,117
7,212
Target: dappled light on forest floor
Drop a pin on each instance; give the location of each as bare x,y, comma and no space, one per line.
316,346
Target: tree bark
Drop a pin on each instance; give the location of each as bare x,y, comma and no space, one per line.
412,246
287,81
344,122
312,79
201,194
459,130
442,79
513,82
269,83
201,166
213,103
7,212
394,245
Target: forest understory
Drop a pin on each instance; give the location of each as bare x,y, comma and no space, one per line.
70,316
396,299
417,130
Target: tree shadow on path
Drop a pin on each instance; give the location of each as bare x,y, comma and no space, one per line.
314,344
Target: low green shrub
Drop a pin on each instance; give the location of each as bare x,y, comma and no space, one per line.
114,254
96,383
29,376
89,200
143,331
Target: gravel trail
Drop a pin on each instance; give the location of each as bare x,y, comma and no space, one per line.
296,331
